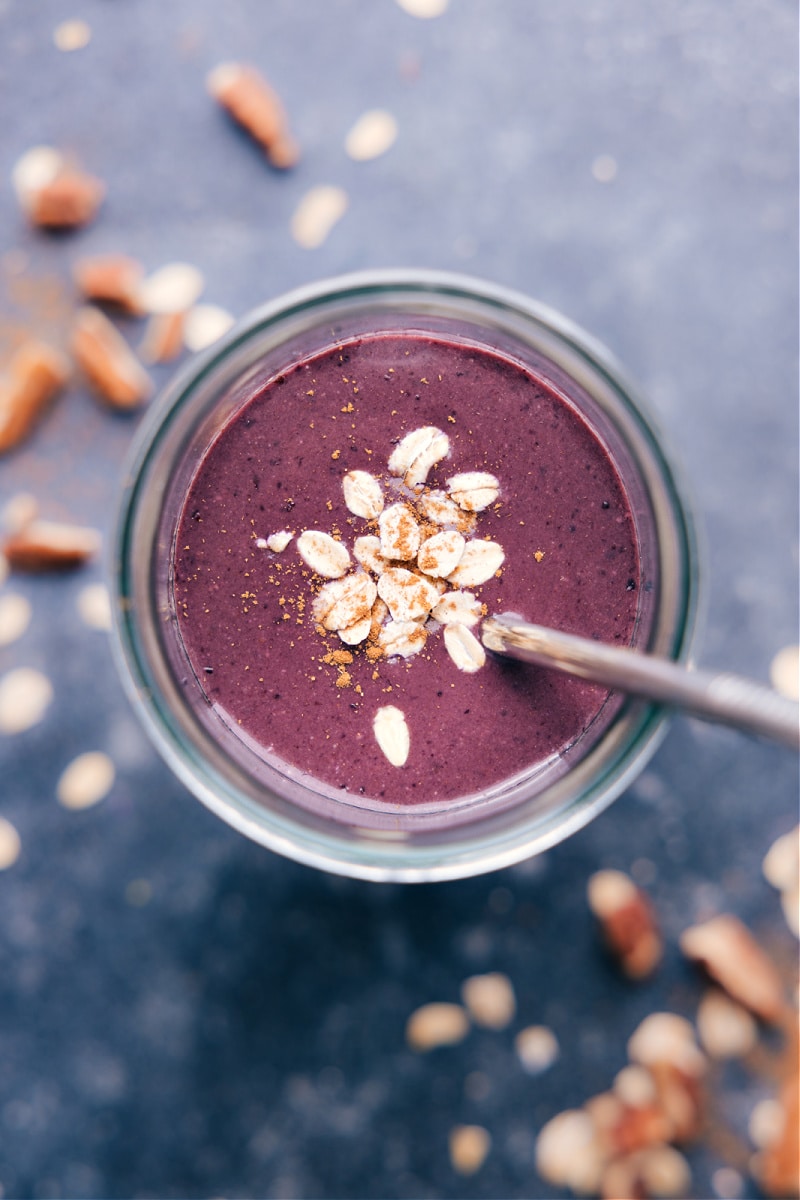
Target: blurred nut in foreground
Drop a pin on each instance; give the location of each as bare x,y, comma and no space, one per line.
53,192
726,1029
35,374
655,1171
50,545
108,361
469,1146
665,1037
490,1000
732,956
110,279
568,1152
435,1025
627,920
777,1166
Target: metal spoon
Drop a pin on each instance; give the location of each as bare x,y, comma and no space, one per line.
720,697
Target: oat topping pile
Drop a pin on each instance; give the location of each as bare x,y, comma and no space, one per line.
413,574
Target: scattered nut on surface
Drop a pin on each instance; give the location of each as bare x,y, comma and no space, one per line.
766,1122
392,734
635,1086
567,1152
35,375
86,781
10,844
417,453
726,1030
15,616
627,921
464,648
110,279
245,94
51,546
323,554
54,193
316,214
107,360
437,1024
777,1166
373,134
490,1000
469,1146
657,1171
665,1037
25,695
537,1048
730,954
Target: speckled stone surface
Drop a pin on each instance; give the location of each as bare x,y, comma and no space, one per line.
181,1012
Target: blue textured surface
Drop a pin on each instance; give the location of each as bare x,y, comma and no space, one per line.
235,1026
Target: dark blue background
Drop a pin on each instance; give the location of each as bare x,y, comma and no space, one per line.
241,1032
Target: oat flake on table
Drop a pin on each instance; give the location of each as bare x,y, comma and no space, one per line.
15,616
316,214
537,1048
25,695
72,35
784,672
373,134
204,325
94,606
10,844
469,1146
86,781
424,9
173,288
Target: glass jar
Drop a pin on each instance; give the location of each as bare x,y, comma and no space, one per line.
286,811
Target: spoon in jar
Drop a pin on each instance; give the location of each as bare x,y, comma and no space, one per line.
715,696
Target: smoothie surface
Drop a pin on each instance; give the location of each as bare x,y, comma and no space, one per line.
245,612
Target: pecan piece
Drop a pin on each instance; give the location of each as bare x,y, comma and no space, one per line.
36,373
50,545
627,921
245,94
108,361
732,956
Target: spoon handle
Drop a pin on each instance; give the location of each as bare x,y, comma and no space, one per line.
720,697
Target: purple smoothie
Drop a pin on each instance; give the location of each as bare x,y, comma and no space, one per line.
245,612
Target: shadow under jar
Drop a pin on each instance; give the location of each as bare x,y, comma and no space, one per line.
229,640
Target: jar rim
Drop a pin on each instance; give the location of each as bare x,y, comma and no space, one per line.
485,844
